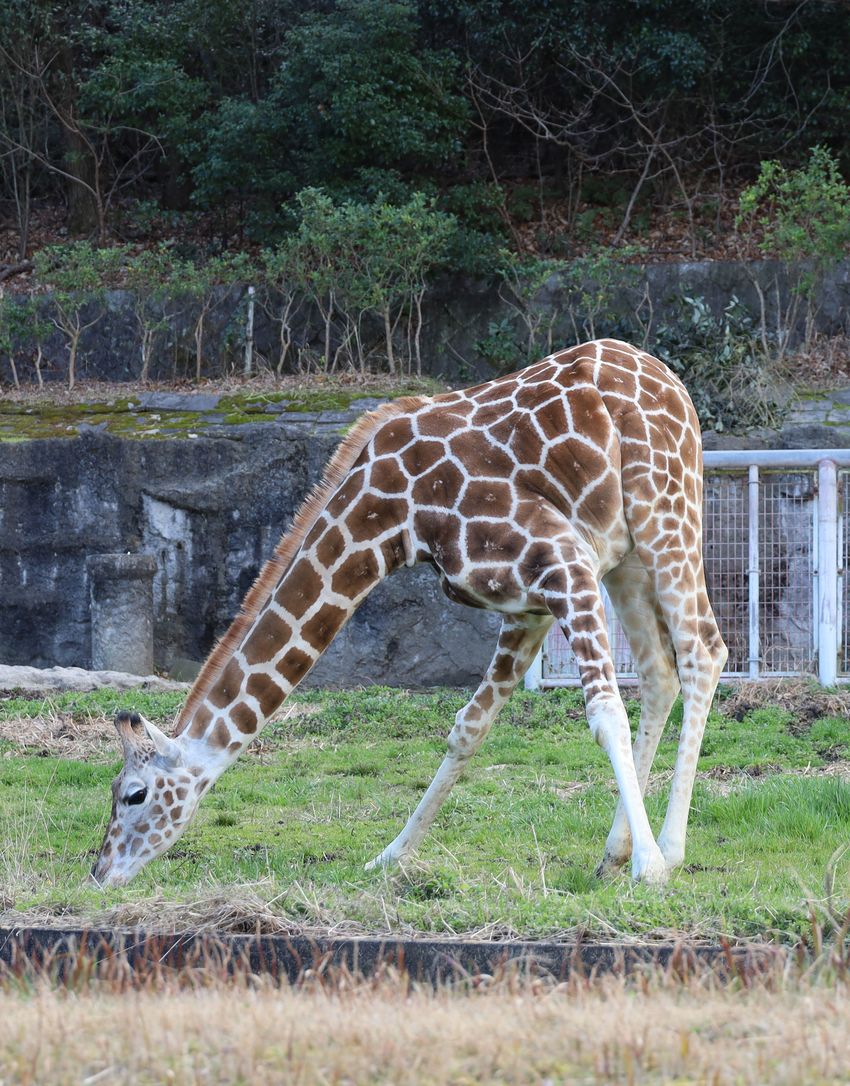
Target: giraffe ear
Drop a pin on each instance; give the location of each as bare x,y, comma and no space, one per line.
166,746
130,731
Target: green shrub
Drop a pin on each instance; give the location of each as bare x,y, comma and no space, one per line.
803,217
78,275
362,266
720,363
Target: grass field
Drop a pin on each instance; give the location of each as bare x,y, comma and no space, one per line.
282,839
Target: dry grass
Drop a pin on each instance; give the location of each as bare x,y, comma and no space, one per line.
388,1032
825,365
62,735
378,385
802,698
91,736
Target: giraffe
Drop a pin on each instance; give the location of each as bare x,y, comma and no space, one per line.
525,494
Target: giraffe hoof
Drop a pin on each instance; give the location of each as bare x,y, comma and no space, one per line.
385,859
610,866
650,868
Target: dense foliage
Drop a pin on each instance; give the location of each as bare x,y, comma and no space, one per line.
134,109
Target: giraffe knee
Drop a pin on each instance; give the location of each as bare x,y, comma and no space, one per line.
719,654
668,686
468,732
608,722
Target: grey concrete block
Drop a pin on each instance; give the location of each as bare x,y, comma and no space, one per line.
121,612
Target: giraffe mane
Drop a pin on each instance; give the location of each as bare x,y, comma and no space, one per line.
338,466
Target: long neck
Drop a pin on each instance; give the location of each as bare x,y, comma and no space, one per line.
347,552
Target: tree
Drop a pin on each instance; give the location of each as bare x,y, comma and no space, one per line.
282,299
356,262
206,286
155,279
23,332
358,106
23,120
77,275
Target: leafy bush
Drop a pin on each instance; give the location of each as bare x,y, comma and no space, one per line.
591,285
357,107
804,218
77,275
155,278
205,286
720,362
361,265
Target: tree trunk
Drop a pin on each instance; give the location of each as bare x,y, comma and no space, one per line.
72,358
388,332
85,217
199,345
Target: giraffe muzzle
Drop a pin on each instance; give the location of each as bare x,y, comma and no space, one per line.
105,875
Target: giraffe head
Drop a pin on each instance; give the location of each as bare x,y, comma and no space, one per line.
153,800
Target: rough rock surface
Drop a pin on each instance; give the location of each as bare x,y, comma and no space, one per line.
210,508
78,679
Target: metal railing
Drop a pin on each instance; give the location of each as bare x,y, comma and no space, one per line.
776,542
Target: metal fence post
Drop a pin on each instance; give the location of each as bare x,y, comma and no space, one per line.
753,570
534,675
827,572
248,367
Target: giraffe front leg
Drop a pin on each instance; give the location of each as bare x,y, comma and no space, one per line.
700,666
519,640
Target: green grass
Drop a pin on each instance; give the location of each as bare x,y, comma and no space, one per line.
513,850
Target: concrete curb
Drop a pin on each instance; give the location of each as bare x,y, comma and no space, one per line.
71,953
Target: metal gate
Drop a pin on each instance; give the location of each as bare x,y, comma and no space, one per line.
776,541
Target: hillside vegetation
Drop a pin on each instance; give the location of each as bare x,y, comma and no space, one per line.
341,158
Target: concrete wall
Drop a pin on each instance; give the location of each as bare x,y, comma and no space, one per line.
209,509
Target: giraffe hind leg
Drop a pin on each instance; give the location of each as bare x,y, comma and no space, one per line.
633,595
678,577
519,641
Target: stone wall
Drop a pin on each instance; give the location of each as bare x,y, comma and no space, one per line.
458,314
208,499
209,508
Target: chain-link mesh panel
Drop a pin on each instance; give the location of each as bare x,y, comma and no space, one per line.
786,568
844,564
786,564
725,547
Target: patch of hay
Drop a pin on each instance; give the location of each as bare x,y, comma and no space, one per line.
56,733
803,699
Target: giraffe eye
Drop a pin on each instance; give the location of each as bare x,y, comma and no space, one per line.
134,798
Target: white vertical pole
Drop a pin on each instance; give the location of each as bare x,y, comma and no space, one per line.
249,335
753,568
827,572
534,675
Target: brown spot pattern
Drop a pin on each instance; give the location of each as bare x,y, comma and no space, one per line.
267,693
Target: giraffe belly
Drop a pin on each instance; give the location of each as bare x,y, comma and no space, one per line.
498,565
460,590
